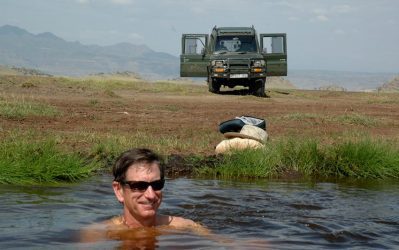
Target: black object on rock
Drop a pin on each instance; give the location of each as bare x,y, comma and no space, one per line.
236,124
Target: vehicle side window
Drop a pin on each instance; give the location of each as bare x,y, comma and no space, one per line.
274,44
194,46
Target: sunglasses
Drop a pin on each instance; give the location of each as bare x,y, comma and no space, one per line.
143,185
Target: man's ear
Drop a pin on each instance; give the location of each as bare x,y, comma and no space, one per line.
118,190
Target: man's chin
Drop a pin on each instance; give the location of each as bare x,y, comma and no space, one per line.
148,210
148,214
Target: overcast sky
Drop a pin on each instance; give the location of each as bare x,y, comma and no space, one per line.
350,35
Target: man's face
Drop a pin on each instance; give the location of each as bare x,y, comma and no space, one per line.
141,204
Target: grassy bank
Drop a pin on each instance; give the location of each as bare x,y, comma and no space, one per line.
27,158
23,161
365,158
58,129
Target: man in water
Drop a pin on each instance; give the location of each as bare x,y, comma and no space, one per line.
138,182
139,178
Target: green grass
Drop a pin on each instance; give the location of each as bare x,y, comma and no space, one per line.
356,119
21,107
244,164
365,159
382,98
28,157
167,107
40,157
177,87
26,161
101,84
107,147
368,159
345,119
110,83
302,116
93,102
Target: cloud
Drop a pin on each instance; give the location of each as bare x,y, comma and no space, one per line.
287,4
122,2
319,11
322,18
293,18
339,32
198,10
342,8
319,15
135,37
328,13
118,2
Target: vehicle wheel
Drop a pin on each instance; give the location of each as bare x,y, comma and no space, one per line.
259,89
213,86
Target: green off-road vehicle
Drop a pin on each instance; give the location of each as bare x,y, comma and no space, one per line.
234,56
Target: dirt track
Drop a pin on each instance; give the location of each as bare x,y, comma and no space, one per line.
193,116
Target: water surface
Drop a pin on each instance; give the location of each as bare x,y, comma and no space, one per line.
257,214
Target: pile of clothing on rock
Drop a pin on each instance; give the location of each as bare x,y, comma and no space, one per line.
241,133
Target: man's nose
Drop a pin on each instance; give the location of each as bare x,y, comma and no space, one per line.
150,193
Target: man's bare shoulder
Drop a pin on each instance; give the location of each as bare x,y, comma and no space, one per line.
174,221
182,223
98,231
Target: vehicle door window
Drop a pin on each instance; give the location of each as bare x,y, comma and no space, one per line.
194,45
274,44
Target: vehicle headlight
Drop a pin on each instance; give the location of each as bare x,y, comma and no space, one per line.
259,63
217,63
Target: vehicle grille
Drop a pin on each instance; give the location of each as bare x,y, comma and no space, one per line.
238,65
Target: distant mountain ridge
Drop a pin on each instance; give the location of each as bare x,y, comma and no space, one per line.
53,55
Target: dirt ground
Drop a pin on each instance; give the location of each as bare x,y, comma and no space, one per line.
322,114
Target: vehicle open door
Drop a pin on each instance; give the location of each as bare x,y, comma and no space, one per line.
194,59
274,50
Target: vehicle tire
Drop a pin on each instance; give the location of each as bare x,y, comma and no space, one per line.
259,89
213,85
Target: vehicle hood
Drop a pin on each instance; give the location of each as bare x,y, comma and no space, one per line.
236,55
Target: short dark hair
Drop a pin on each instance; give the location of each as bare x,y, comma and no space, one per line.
132,156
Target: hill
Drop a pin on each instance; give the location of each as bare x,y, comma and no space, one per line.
391,86
4,70
53,55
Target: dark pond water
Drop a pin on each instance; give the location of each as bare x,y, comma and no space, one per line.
241,215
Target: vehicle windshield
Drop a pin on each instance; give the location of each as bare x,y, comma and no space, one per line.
235,44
